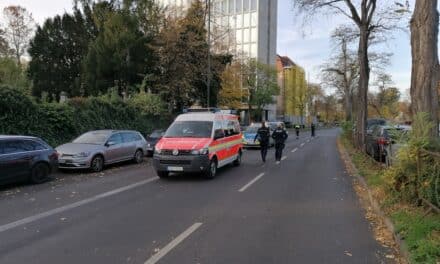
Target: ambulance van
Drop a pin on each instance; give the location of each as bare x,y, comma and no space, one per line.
199,142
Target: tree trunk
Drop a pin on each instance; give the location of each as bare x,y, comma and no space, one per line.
362,96
348,107
425,64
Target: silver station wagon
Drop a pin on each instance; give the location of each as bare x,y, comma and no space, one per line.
95,149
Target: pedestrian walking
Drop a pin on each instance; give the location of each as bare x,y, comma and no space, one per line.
312,128
280,136
297,127
263,135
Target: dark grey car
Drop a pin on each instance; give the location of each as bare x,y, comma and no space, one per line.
26,158
152,140
95,149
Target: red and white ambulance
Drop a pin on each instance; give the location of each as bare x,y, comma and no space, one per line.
199,142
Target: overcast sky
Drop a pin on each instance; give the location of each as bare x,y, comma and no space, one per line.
308,47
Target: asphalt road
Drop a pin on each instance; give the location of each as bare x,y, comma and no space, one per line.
303,210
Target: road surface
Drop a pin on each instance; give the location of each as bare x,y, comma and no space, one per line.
303,210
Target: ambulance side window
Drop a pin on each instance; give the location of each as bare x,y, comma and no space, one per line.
218,128
236,127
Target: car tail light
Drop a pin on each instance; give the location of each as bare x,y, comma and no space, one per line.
382,141
54,155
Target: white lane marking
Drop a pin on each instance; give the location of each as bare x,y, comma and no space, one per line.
302,145
283,158
156,257
294,150
251,182
61,209
308,140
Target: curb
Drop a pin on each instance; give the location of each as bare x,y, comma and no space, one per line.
353,171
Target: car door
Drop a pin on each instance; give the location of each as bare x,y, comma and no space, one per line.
115,150
15,160
129,144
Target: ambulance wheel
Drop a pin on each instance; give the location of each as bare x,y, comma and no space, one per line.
162,174
237,162
212,170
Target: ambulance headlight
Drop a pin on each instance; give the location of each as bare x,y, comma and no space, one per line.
203,151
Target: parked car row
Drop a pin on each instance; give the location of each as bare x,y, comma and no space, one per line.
31,158
383,141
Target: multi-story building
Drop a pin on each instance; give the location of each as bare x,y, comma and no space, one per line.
245,28
292,100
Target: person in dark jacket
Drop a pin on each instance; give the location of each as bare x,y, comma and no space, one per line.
280,136
297,127
312,128
263,135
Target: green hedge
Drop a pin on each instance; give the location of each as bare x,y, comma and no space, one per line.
58,123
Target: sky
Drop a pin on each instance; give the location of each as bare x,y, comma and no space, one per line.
308,46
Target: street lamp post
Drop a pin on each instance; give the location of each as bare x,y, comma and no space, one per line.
208,82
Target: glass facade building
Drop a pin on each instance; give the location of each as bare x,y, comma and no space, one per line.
246,28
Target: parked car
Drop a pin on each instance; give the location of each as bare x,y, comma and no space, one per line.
95,149
152,140
371,122
381,139
400,141
199,143
26,158
249,136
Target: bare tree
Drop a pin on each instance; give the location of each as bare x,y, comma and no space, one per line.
19,28
342,70
4,46
372,22
425,63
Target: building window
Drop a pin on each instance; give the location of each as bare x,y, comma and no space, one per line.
245,5
254,51
254,19
231,6
253,5
239,21
224,8
246,20
239,35
238,6
232,22
246,35
254,35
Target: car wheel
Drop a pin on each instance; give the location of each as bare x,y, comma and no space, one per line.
237,162
39,173
162,174
97,164
212,170
138,156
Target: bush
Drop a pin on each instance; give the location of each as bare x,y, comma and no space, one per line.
347,129
61,122
404,179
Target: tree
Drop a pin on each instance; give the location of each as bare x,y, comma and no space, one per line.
182,51
231,94
260,80
372,21
12,75
19,28
57,52
120,55
425,63
342,70
313,94
5,51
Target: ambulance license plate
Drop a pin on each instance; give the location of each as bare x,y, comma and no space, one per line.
175,168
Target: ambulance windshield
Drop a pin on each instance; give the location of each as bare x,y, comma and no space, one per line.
190,129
